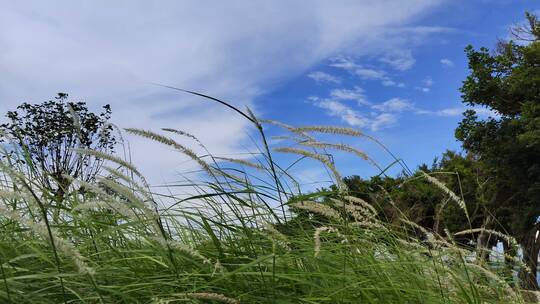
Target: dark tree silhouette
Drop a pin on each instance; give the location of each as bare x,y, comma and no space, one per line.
45,135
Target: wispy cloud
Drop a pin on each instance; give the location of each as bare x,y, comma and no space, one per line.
395,104
423,89
400,60
111,56
449,112
382,121
427,29
458,111
383,117
370,74
356,94
377,116
426,85
363,72
344,112
428,82
447,62
322,77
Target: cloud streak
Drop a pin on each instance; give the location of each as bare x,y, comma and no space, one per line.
373,121
357,94
383,115
322,77
447,62
395,104
365,73
111,55
401,60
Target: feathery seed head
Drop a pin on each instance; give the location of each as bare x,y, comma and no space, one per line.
318,208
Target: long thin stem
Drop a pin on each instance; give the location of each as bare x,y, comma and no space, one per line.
273,169
51,236
259,128
8,292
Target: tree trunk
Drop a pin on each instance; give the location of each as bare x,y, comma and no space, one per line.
59,196
482,243
531,247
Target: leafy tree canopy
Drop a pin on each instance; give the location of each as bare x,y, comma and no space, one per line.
47,133
507,81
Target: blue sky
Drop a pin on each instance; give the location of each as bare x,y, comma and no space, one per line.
409,100
391,68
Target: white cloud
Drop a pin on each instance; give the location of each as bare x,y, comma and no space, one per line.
400,60
375,122
447,62
344,63
371,74
458,111
428,82
450,112
425,30
338,109
385,114
236,50
394,105
382,121
321,77
388,83
391,83
357,94
364,72
485,112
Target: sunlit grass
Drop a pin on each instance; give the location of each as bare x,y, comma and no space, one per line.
247,234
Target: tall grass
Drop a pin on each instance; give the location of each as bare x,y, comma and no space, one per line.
248,233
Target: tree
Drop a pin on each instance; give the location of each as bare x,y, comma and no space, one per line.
507,81
418,200
46,134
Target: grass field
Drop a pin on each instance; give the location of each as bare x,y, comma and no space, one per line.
248,233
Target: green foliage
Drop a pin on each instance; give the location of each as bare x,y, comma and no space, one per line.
426,205
46,134
222,244
508,146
